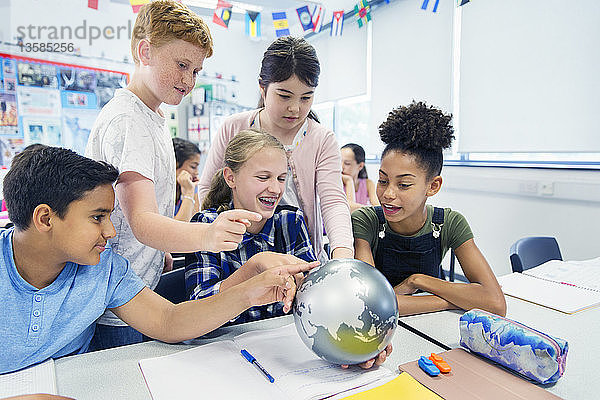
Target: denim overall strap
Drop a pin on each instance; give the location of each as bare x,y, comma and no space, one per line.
398,257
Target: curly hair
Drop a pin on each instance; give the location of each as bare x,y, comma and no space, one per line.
421,130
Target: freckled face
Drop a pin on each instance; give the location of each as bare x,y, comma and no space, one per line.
173,68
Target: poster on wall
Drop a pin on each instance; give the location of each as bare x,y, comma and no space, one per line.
9,75
9,147
106,84
49,103
41,75
47,131
77,79
81,100
76,127
8,114
38,101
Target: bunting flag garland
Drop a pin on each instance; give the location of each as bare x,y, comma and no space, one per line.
363,12
435,6
337,23
305,18
280,23
137,4
317,18
462,2
93,4
252,24
222,14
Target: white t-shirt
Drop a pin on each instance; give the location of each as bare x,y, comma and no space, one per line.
132,137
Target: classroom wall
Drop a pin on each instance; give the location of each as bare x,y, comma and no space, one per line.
235,54
412,59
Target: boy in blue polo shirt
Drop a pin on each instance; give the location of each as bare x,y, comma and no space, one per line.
57,277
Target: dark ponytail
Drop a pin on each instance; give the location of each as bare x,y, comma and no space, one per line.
288,56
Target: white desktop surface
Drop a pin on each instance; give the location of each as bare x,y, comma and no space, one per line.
581,330
115,374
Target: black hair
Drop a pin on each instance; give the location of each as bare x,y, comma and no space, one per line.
51,175
359,156
184,150
421,130
288,56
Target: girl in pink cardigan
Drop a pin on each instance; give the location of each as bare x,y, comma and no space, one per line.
288,77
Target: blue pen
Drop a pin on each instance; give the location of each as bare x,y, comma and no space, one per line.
252,360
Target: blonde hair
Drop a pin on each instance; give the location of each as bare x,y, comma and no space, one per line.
240,149
161,21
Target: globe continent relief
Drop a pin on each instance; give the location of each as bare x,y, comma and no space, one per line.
345,311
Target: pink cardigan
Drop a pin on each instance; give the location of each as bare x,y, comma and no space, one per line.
316,164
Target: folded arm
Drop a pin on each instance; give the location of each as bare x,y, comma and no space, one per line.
482,291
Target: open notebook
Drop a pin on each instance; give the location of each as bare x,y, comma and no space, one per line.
566,286
40,378
218,370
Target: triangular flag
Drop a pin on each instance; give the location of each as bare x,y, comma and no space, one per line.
280,23
462,2
93,4
337,23
305,18
252,24
363,12
435,6
137,4
222,14
317,18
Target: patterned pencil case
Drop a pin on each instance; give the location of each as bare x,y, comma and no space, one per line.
531,353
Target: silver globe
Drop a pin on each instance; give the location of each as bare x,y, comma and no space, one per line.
345,311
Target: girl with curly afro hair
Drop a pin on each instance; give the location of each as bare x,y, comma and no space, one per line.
405,238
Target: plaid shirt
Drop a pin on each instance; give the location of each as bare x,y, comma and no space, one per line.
204,270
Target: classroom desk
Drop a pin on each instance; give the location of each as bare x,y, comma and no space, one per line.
581,330
115,374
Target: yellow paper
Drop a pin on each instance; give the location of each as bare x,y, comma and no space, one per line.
404,387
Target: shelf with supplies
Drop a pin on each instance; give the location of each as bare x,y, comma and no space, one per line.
210,103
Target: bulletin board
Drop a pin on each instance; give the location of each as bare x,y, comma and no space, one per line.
50,103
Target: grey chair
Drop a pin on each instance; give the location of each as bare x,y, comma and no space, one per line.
532,251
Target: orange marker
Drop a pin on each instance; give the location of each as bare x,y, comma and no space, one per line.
440,363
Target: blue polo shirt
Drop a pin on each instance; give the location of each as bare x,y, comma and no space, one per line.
58,320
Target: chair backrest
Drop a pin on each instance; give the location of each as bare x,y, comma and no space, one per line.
532,251
172,286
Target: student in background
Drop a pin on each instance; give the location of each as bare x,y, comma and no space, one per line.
57,277
360,190
405,238
288,78
187,159
169,44
253,179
